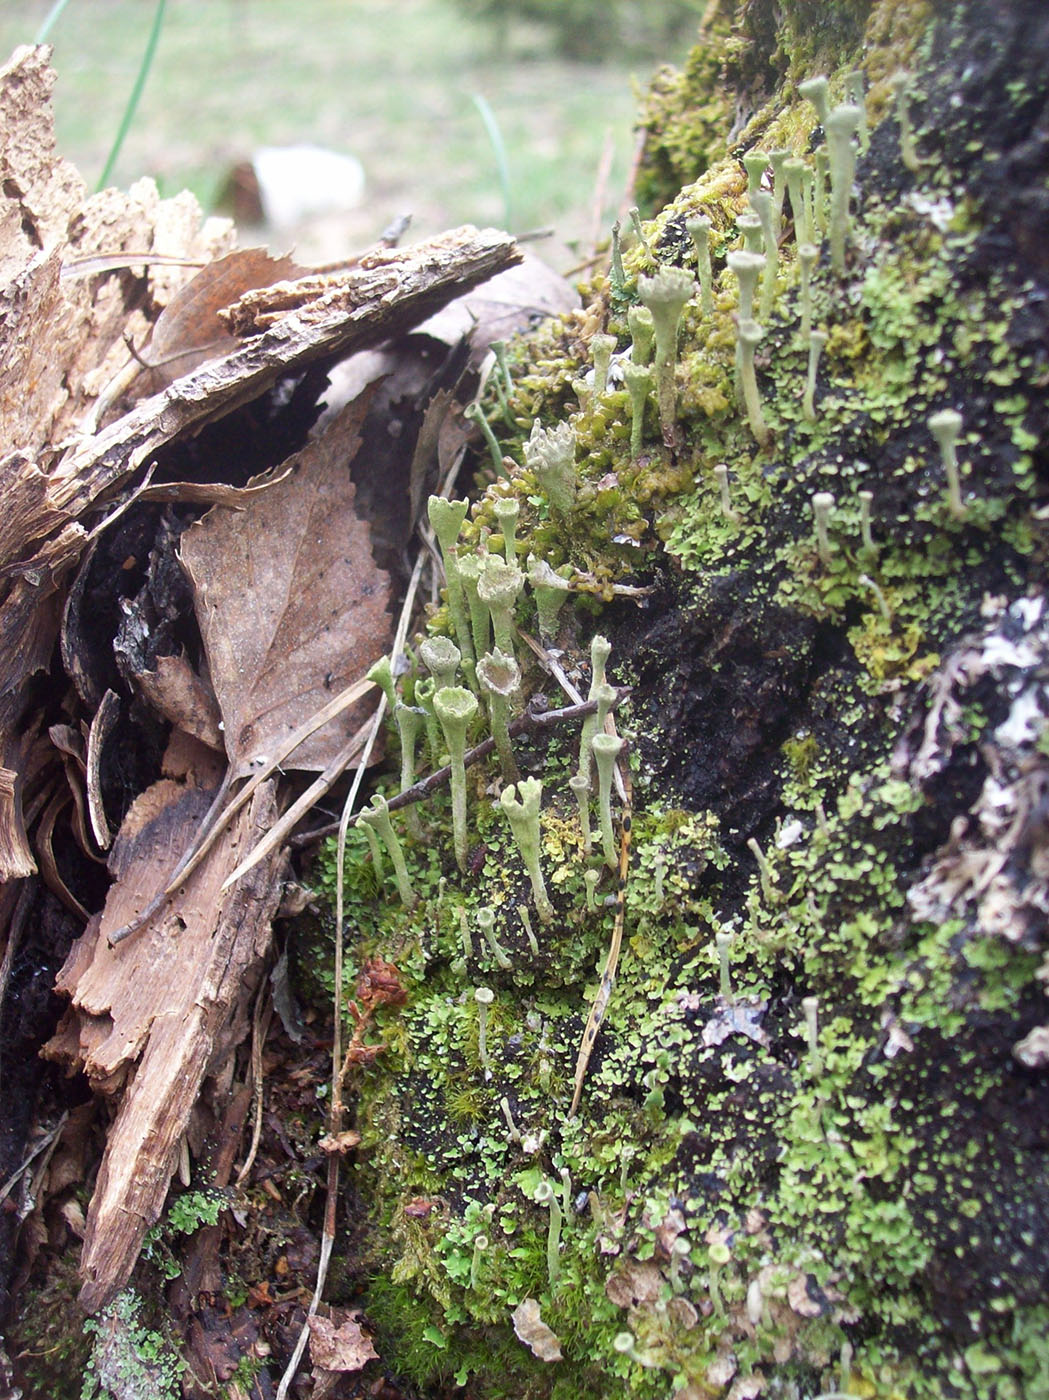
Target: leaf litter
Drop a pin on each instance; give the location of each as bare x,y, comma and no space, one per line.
132,312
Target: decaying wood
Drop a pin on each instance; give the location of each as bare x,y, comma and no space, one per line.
51,478
365,308
149,1019
82,279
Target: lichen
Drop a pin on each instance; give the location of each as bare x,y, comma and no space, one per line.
756,1196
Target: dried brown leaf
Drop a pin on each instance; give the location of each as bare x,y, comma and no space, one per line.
507,304
533,1331
16,858
189,330
178,694
339,1344
291,604
101,727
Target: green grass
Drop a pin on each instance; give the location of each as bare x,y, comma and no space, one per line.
391,82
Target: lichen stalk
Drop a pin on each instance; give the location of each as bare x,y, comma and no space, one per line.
666,294
520,804
642,333
606,749
723,943
778,159
841,127
475,413
749,226
409,721
446,517
456,708
591,879
879,596
498,587
526,924
698,229
480,619
792,171
441,657
819,190
600,651
761,203
507,509
747,269
808,254
727,509
638,381
900,84
855,91
551,589
483,997
486,923
601,348
546,1195
866,499
946,428
822,505
480,1249
550,454
817,91
750,333
378,816
817,340
499,677
754,163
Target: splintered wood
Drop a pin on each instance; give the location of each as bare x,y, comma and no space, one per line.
149,1019
128,324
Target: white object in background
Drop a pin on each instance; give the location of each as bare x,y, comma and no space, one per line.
297,183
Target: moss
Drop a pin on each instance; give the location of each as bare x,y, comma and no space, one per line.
848,714
47,1335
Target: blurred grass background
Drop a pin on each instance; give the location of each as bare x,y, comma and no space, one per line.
391,83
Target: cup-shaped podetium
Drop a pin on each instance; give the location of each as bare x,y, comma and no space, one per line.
520,804
456,708
500,679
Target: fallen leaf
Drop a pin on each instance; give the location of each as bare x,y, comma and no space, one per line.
505,305
634,1284
101,727
291,605
189,330
16,858
340,1345
340,1143
741,1016
178,694
533,1331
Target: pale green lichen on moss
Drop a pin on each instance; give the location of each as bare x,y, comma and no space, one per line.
745,1202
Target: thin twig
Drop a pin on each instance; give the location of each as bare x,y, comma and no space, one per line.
218,817
260,1024
426,787
336,1117
44,1143
597,203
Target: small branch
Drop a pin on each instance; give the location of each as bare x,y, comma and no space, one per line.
425,787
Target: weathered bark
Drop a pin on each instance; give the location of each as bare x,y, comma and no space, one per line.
151,1018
